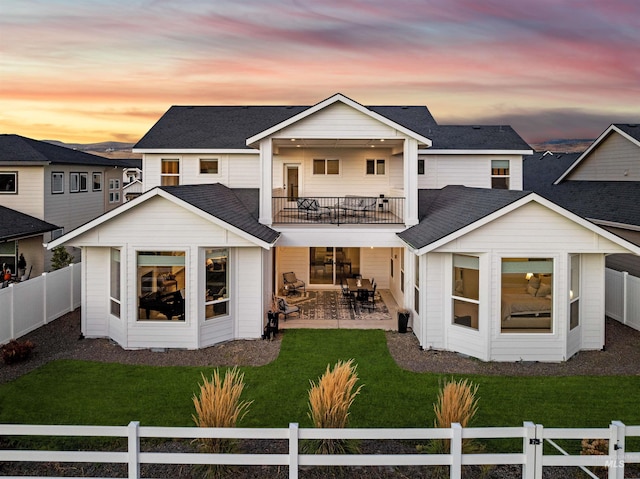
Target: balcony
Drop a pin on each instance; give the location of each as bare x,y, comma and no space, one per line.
338,210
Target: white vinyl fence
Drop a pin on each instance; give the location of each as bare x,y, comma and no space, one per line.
533,457
622,297
27,305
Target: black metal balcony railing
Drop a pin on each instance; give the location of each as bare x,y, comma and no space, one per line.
338,210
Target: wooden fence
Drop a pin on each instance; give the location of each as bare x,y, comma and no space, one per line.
27,305
622,297
533,458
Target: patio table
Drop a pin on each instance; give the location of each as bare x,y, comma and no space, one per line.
352,284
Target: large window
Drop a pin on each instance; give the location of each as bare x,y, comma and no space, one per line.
161,285
574,293
376,167
170,173
114,283
8,255
466,290
527,295
217,283
326,167
57,182
500,174
8,182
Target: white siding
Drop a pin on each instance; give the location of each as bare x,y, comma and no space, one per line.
95,294
30,197
433,316
338,121
375,263
592,301
609,161
473,171
156,223
249,299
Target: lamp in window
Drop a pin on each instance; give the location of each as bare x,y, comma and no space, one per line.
570,294
528,276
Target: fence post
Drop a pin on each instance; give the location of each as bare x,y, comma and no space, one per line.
625,284
12,312
134,450
456,451
617,435
44,298
71,286
294,446
529,449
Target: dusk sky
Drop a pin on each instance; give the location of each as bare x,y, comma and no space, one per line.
99,70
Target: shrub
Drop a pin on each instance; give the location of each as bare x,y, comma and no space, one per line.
456,403
16,351
61,258
219,405
595,447
329,403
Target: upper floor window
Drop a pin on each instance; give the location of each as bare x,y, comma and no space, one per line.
375,167
209,167
57,182
500,174
97,182
170,174
326,167
114,190
421,167
78,182
8,182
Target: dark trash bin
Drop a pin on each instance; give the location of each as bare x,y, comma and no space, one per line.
403,320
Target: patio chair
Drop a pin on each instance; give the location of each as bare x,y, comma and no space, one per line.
293,284
312,208
347,295
286,309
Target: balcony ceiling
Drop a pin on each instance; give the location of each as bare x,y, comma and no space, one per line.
336,143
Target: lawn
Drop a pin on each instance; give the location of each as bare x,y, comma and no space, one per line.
79,392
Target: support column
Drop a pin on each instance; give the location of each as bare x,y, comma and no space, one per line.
266,178
410,182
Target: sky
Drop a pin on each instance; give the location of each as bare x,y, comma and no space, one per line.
86,71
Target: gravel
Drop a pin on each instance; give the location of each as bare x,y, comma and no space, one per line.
62,339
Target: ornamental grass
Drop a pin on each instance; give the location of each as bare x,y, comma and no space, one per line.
329,404
219,405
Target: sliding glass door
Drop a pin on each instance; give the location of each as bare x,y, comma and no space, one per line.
329,265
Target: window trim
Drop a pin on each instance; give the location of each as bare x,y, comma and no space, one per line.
164,175
326,166
506,176
93,181
176,323
375,162
79,176
113,300
222,300
458,297
15,183
217,173
573,297
61,175
114,190
422,166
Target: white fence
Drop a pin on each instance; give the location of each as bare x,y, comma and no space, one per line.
27,305
622,297
532,457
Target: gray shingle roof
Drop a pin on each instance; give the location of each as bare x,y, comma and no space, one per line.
615,201
19,149
228,127
632,130
14,225
238,208
443,212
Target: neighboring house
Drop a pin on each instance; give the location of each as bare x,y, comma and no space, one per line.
22,234
237,196
132,190
129,175
601,184
57,185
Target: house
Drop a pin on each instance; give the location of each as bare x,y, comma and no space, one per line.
235,196
56,185
601,184
25,234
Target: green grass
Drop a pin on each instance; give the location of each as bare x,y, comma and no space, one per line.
79,392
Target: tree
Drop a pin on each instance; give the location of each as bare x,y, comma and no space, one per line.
61,258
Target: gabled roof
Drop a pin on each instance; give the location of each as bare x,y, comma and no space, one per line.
451,209
454,211
16,149
338,98
16,225
542,169
630,131
236,209
229,127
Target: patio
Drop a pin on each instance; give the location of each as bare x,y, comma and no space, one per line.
325,309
